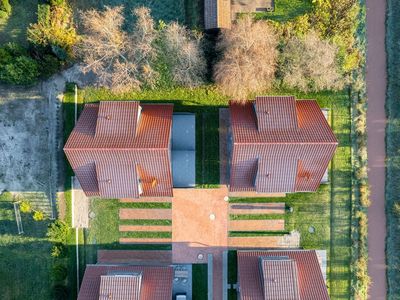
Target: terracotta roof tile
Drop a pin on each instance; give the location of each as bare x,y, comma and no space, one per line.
112,147
279,278
155,282
279,145
120,287
253,277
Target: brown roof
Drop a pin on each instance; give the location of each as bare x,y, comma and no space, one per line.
294,274
279,278
279,145
217,14
120,287
151,283
114,144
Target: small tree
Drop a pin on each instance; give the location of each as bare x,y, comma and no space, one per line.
5,9
121,61
6,196
310,64
25,207
57,231
38,215
183,55
249,58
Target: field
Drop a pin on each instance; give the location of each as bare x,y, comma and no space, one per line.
286,10
392,149
13,29
25,260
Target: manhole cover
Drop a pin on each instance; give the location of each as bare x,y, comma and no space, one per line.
212,217
200,256
92,215
311,229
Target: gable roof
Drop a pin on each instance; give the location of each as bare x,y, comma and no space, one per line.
279,145
279,278
146,282
297,276
120,287
115,144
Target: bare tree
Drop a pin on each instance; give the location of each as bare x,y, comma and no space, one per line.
249,58
310,64
184,55
121,61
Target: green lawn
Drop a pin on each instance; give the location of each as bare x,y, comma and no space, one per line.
14,28
327,210
167,10
392,149
286,10
199,281
25,260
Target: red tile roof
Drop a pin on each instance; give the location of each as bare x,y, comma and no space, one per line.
120,287
279,145
298,276
154,283
279,278
116,143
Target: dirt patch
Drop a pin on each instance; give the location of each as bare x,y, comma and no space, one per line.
24,153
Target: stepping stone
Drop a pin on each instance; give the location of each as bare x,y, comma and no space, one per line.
135,256
144,228
254,242
256,225
145,214
145,241
256,208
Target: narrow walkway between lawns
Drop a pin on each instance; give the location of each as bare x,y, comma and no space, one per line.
376,124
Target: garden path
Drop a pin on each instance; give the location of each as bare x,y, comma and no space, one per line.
376,123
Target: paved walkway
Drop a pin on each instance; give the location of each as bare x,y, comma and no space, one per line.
376,122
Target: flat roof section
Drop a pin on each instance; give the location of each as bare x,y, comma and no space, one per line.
183,150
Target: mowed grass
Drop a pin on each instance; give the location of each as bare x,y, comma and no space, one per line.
166,10
25,260
285,10
14,28
328,210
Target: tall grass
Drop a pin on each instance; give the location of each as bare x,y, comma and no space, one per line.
392,148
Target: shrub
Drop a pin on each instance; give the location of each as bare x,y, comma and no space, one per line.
5,9
129,64
16,66
364,195
57,2
59,272
59,251
183,55
249,58
55,28
38,215
6,196
25,207
310,64
396,209
60,292
57,231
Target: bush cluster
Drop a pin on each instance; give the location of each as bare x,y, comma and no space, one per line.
362,201
57,233
17,66
5,9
